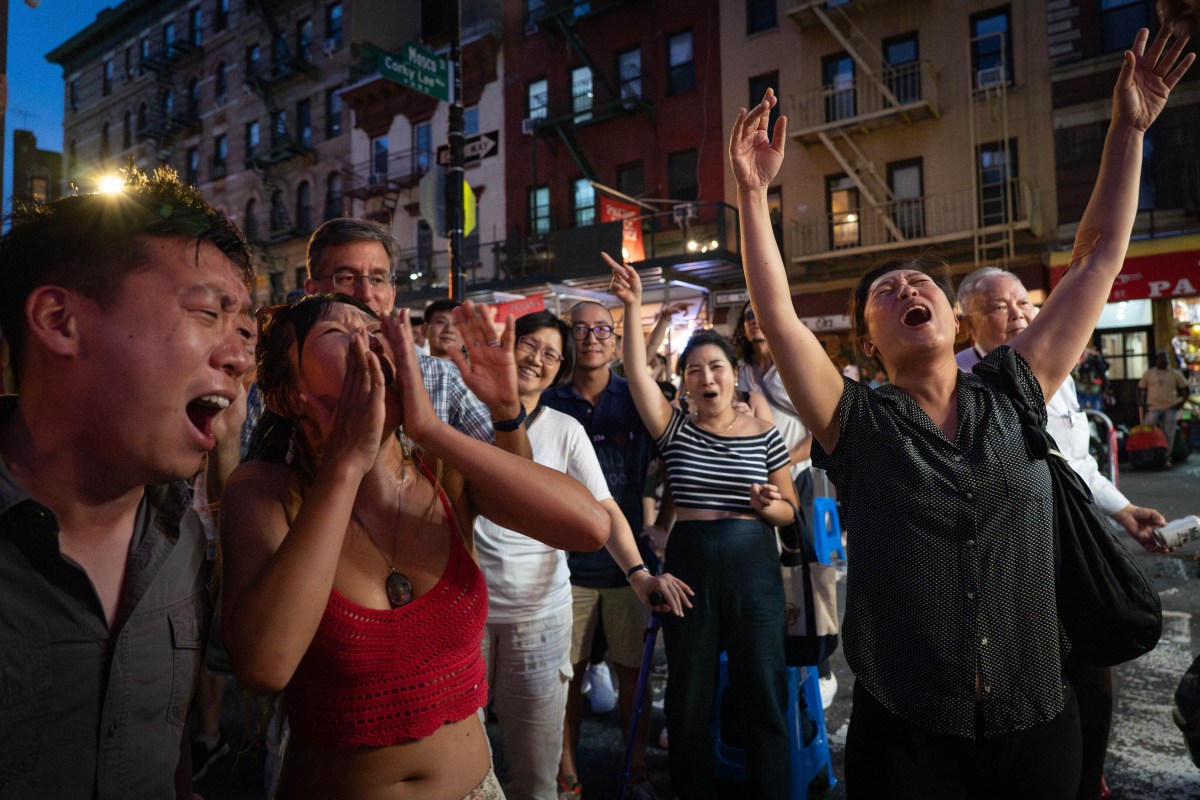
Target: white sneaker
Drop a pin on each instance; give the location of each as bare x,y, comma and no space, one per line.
600,693
828,690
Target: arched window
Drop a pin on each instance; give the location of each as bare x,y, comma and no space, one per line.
304,207
333,196
250,220
279,214
142,122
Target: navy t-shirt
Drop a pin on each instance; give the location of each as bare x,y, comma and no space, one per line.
624,449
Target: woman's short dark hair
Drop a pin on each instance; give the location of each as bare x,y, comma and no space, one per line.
933,266
538,320
741,345
701,338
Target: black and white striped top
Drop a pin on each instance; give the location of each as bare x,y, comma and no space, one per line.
715,472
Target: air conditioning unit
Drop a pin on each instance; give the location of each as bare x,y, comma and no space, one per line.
682,212
987,78
531,29
527,125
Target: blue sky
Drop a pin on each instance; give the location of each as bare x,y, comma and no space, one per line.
35,86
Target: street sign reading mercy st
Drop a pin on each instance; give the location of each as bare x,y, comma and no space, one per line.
474,149
417,68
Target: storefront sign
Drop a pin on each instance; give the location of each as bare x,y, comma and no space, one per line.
518,308
1156,268
828,322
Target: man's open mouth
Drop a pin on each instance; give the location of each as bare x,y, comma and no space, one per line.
204,409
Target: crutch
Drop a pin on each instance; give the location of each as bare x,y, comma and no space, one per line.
639,697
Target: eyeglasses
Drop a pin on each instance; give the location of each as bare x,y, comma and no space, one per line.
349,281
581,331
530,347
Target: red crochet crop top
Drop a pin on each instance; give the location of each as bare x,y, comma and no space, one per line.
373,677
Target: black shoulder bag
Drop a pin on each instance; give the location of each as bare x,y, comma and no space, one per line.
1108,609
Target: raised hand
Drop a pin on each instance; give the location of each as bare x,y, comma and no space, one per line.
754,156
626,284
414,399
1147,77
489,368
353,429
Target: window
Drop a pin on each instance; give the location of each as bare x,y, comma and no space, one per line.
581,93
471,121
250,220
196,27
168,105
304,208
682,183
998,183
104,142
629,72
191,173
127,131
539,210
304,122
631,179
837,77
252,139
424,248
279,214
145,48
758,87
142,121
279,48
1119,18
106,86
333,26
279,131
902,72
379,160
168,36
304,36
842,198
253,59
991,48
221,84
681,65
583,200
73,94
536,99
221,22
906,180
220,155
1147,185
760,15
333,113
39,189
1127,353
423,147
194,97
333,196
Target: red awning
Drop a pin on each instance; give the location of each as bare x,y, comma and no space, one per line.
1168,267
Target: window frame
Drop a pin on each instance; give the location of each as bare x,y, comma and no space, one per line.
681,75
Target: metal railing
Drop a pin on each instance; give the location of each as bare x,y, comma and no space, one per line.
402,169
913,86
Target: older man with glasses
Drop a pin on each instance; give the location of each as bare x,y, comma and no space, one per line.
602,403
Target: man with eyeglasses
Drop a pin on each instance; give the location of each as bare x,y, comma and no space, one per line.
358,257
601,595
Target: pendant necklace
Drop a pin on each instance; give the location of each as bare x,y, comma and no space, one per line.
396,584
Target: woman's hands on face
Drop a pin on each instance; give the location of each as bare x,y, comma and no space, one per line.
351,431
754,156
416,406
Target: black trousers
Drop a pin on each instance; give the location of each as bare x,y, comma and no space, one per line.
888,757
1094,689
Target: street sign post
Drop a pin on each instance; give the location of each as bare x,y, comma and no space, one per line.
475,149
417,68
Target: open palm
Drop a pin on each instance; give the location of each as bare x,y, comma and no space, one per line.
1148,76
754,156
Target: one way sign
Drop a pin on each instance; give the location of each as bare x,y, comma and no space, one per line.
474,149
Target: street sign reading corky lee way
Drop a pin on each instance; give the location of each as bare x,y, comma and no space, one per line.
419,69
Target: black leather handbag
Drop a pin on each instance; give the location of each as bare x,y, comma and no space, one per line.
1108,609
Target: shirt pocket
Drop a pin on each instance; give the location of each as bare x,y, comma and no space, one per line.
187,645
24,687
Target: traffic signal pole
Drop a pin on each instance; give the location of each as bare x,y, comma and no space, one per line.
455,216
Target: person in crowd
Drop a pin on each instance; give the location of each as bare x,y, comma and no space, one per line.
601,596
997,308
128,320
951,625
527,640
349,578
441,334
728,473
1162,391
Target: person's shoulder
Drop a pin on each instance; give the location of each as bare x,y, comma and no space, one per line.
260,477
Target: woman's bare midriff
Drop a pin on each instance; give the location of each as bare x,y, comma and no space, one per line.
703,514
448,764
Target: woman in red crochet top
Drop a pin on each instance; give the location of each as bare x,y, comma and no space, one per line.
349,582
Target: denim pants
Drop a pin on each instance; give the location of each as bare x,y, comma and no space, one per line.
529,669
733,566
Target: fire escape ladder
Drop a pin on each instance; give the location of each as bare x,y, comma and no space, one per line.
870,186
997,205
860,48
574,44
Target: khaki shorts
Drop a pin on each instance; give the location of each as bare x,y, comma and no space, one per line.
624,619
488,788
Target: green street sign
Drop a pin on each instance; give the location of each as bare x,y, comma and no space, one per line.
417,68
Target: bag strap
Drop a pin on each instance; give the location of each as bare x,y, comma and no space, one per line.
797,540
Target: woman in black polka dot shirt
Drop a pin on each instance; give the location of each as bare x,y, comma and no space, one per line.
950,626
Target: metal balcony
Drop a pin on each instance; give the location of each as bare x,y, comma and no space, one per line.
402,170
904,93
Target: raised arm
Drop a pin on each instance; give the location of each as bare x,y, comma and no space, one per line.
653,408
1053,340
511,491
812,381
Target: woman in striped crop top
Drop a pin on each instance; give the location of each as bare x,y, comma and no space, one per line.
349,582
728,473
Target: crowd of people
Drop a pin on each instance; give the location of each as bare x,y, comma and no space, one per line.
397,540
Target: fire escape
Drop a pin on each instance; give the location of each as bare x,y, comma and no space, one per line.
597,94
169,117
999,197
870,94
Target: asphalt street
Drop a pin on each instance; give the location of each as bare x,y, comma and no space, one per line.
1147,756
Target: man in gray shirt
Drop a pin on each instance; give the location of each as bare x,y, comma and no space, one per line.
127,319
